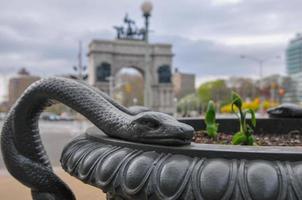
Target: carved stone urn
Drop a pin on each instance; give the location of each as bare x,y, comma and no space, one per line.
128,170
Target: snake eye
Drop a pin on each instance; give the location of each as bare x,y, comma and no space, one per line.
151,123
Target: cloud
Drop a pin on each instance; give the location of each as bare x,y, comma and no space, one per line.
208,58
207,35
225,2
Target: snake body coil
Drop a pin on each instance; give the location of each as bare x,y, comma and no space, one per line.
285,111
22,149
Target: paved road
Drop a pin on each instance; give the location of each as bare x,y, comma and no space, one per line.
54,136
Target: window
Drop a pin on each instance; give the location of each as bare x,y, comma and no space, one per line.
164,74
103,71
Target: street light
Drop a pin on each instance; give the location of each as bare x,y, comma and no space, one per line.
259,61
175,104
111,87
134,101
146,8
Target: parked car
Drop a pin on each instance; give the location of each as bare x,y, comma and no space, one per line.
50,116
54,117
66,117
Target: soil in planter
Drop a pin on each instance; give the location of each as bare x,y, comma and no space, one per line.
293,138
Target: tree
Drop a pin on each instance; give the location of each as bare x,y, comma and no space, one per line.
189,103
132,88
213,90
245,87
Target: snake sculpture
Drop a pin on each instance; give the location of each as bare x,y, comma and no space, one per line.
22,148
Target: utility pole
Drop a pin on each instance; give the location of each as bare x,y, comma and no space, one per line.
260,62
80,69
146,9
111,86
80,66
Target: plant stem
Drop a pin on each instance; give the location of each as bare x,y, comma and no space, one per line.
242,121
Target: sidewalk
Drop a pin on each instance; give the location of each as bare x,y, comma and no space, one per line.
10,189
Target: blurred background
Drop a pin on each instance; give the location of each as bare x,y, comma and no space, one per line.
171,56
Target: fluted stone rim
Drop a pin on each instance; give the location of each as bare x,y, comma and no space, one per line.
207,150
139,171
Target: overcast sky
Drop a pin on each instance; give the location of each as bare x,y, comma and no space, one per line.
207,35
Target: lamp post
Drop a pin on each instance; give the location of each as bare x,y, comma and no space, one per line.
175,106
257,60
146,9
260,62
134,100
111,86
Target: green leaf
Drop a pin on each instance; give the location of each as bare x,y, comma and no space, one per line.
236,100
253,116
212,130
250,140
210,120
249,130
239,138
210,115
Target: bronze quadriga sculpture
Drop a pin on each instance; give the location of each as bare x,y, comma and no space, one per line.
139,154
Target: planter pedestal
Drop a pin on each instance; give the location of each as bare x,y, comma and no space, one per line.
127,170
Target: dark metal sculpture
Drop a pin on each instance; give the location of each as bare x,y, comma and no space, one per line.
130,32
127,155
285,111
24,154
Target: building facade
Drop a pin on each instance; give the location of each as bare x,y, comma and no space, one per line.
294,69
183,84
294,89
294,55
108,57
17,84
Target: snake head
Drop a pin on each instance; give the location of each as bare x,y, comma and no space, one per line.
159,128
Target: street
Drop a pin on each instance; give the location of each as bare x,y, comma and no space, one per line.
55,135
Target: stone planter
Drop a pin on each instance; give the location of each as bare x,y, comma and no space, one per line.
264,125
127,170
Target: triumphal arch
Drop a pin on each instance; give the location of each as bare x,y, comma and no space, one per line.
107,57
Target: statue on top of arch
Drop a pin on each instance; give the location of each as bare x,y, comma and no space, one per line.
130,31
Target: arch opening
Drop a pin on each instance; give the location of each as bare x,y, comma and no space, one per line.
128,87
